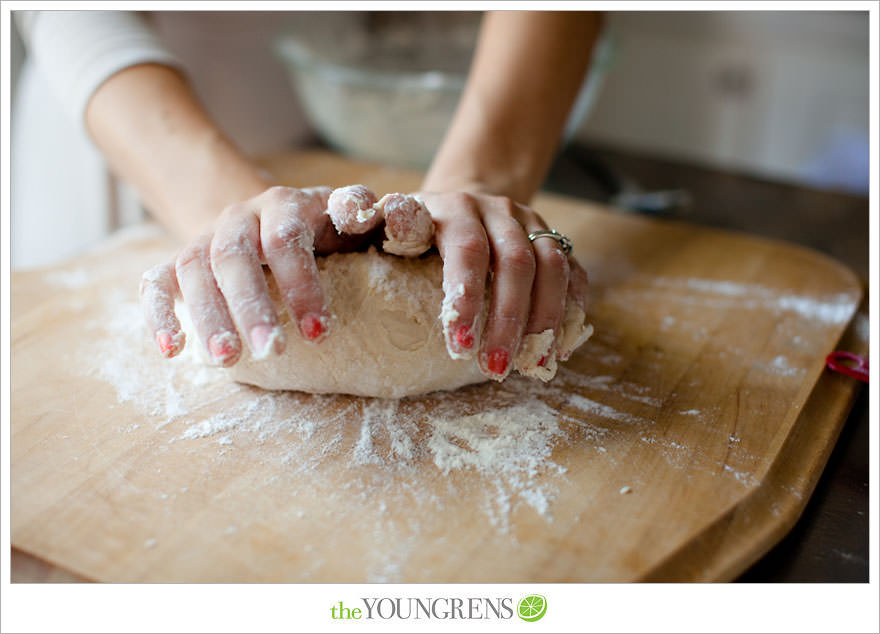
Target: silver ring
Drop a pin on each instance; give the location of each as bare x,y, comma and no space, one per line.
564,243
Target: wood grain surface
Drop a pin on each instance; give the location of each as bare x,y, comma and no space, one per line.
700,395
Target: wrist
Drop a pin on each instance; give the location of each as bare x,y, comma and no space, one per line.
498,184
484,163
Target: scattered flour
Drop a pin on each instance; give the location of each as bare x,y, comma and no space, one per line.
605,411
832,309
742,477
506,436
497,443
73,279
781,366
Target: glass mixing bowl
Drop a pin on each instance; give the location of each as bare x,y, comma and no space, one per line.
383,86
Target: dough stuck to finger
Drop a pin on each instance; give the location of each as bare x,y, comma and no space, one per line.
409,228
535,357
575,330
352,209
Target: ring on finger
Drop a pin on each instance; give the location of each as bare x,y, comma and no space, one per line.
564,242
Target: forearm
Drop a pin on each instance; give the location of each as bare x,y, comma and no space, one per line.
156,136
526,73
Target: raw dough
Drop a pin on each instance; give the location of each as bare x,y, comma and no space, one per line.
385,339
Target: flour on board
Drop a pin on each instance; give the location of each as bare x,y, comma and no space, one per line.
507,442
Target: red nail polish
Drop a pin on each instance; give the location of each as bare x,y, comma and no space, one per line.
543,361
464,338
498,359
166,344
222,346
311,326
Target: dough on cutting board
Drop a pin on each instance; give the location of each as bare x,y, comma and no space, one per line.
385,339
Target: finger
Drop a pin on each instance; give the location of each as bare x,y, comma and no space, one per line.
158,289
575,331
537,354
464,248
235,262
210,316
513,273
327,239
408,226
352,209
578,283
287,232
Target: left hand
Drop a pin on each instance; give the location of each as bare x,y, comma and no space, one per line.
481,233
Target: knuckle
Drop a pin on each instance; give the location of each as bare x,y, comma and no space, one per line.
230,245
155,274
520,260
158,280
506,205
192,254
287,235
236,209
461,199
472,248
278,240
278,194
510,312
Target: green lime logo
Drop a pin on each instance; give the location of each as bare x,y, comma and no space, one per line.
532,608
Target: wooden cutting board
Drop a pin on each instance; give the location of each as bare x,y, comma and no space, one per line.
680,443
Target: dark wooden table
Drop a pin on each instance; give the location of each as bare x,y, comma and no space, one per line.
830,542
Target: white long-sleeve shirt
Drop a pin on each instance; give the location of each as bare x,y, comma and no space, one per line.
77,51
63,198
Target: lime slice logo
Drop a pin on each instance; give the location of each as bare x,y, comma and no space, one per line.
532,608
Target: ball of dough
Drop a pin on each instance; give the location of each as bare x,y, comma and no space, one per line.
385,339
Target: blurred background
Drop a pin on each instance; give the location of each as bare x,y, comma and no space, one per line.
778,96
751,121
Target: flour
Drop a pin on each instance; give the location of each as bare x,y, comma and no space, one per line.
781,366
506,441
498,447
605,411
73,279
743,477
832,309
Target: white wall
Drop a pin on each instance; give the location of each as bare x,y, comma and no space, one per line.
778,94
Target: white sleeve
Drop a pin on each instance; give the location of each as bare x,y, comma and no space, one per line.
77,51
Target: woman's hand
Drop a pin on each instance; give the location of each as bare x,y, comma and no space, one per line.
483,239
220,274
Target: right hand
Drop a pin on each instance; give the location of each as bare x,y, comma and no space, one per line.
220,274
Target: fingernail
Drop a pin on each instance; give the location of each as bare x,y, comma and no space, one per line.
166,344
266,339
543,361
223,347
464,337
169,345
498,360
312,326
